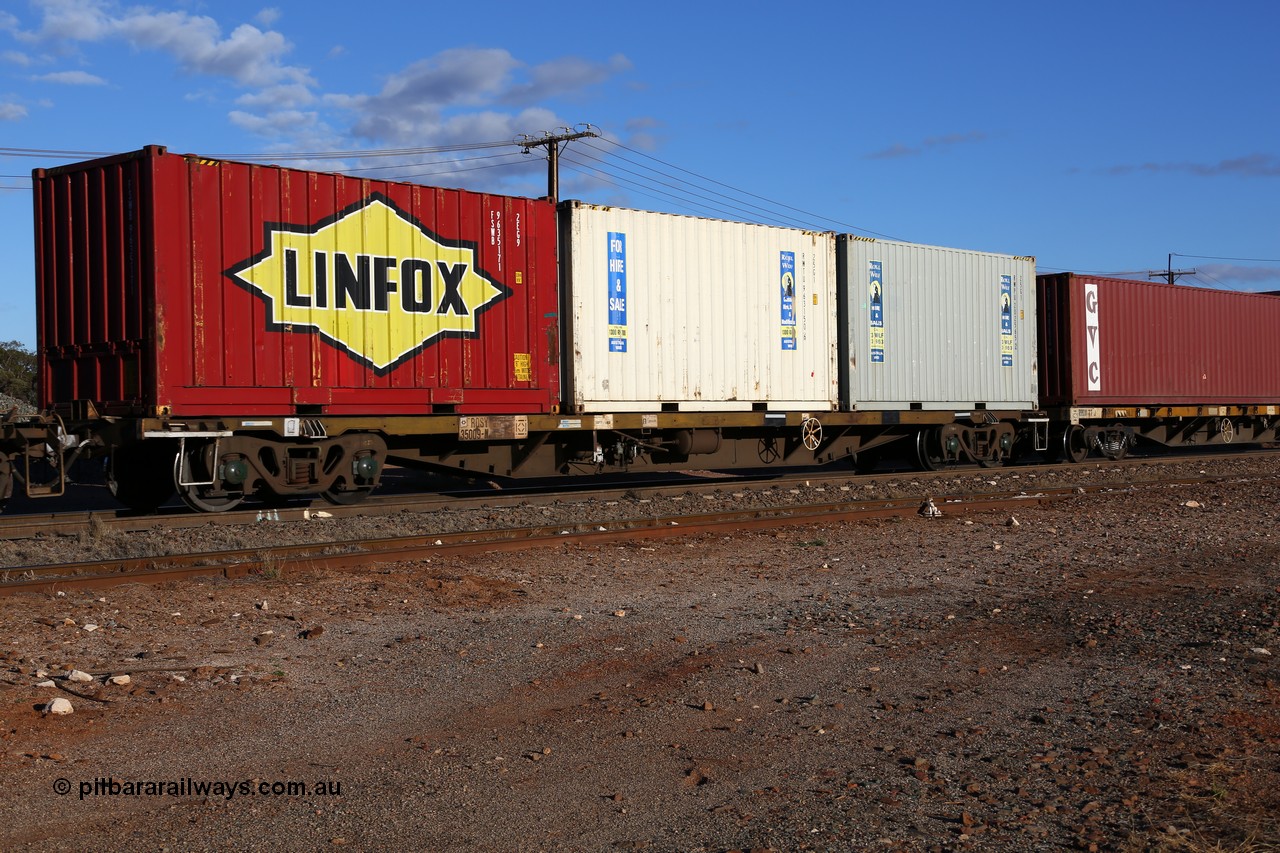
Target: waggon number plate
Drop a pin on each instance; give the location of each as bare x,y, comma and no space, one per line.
484,428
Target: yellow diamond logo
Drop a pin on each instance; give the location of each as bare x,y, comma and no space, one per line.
372,281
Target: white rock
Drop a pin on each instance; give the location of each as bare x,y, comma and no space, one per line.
1261,651
1191,504
1013,522
120,680
45,684
90,627
79,675
59,706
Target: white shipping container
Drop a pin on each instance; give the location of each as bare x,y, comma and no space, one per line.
926,327
679,313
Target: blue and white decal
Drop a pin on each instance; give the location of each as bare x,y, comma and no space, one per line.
788,286
617,291
1006,321
875,302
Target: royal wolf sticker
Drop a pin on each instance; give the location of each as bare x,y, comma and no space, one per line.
370,280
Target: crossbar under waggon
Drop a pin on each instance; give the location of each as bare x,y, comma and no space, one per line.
35,451
214,464
1076,432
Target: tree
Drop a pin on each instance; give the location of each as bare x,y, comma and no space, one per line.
17,371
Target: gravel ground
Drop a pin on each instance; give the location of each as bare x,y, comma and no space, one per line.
13,404
102,542
1100,675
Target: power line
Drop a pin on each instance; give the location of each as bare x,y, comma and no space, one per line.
365,154
734,201
1215,258
51,152
711,203
752,195
686,203
362,169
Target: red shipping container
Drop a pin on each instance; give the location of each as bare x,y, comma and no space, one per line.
172,284
1114,342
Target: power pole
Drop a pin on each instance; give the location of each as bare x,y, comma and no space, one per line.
1170,274
553,143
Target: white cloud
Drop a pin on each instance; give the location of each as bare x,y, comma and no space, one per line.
1249,277
72,78
12,112
899,149
567,74
643,133
455,76
249,56
422,101
274,124
16,57
278,97
72,20
1259,165
268,16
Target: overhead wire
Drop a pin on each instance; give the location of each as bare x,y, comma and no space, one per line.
1217,258
362,169
735,204
689,196
769,201
641,189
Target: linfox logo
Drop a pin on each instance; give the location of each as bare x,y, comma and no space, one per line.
370,280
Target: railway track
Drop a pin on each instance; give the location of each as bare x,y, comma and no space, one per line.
365,553
29,524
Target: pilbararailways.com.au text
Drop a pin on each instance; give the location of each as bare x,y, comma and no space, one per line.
228,789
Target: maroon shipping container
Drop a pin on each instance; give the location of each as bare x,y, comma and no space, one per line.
172,284
1113,342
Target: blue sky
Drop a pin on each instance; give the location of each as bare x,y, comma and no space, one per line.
1096,136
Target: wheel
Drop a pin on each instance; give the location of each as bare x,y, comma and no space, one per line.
203,497
1073,445
929,449
1228,430
138,474
768,450
811,433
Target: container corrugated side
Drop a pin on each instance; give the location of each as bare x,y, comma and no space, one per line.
1116,342
933,328
689,314
173,283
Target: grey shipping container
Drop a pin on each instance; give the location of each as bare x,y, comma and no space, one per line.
925,327
679,313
